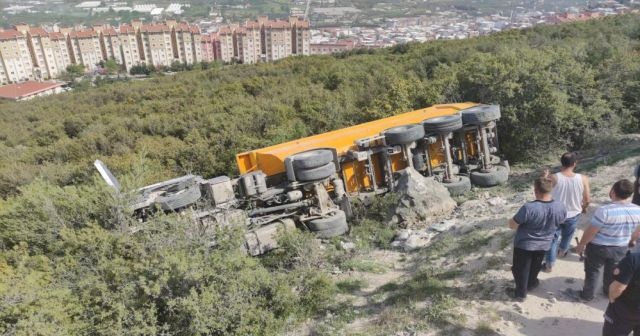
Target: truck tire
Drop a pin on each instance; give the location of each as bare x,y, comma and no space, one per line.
443,125
480,114
331,226
498,175
459,187
171,201
314,174
405,134
312,159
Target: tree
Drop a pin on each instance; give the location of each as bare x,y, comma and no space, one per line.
111,66
73,71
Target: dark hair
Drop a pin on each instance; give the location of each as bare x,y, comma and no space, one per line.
568,159
623,189
543,185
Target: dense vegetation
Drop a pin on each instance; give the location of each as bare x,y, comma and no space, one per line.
66,269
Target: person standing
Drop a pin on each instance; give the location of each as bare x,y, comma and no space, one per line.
604,242
572,190
623,312
535,223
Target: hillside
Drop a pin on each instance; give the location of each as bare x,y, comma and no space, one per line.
64,270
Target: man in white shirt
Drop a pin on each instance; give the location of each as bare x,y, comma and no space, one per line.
572,190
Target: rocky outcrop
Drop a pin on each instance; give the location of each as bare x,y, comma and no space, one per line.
420,199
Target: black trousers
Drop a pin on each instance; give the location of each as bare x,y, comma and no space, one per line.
619,319
525,268
597,256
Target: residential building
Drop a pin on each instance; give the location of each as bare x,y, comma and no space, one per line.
130,47
227,45
33,53
29,90
15,56
61,54
331,48
263,40
86,48
157,44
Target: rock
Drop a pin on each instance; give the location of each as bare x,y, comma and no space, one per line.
402,235
494,201
553,300
412,243
518,307
443,226
421,198
347,246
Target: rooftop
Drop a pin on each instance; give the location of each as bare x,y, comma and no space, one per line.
26,89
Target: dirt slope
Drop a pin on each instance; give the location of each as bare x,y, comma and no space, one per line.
453,281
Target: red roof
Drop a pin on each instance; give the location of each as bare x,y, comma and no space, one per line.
125,29
26,89
155,28
83,34
109,32
10,34
37,31
56,36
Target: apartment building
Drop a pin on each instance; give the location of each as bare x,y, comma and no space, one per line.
32,53
130,48
227,44
263,40
110,43
157,44
207,47
186,43
15,57
60,49
86,47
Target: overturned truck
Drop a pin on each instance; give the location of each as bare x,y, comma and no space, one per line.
308,183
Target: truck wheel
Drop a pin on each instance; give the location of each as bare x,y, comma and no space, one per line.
331,226
170,201
442,125
314,174
498,175
459,187
405,134
480,114
312,159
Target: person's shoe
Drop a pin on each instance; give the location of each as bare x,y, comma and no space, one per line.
577,295
562,254
511,293
546,268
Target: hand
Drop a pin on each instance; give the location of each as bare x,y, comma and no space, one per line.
580,248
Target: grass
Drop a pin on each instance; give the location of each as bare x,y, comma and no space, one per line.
367,266
351,285
609,159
